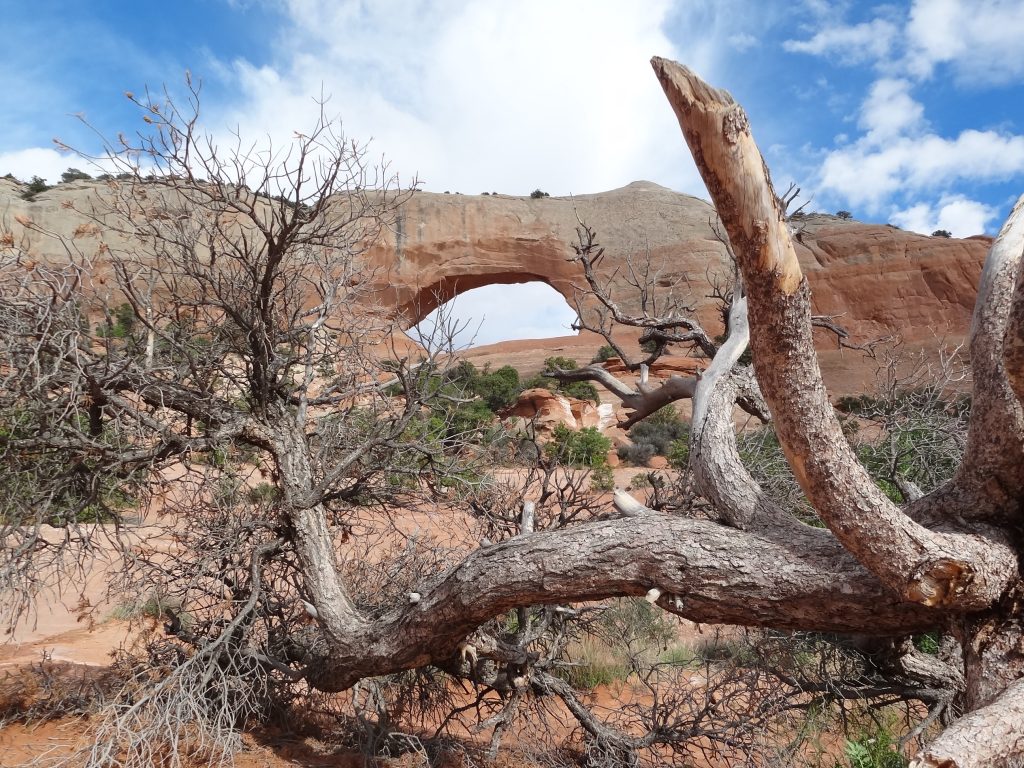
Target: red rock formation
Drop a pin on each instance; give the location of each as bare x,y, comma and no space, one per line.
545,410
877,280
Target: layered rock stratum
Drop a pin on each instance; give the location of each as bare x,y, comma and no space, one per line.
875,280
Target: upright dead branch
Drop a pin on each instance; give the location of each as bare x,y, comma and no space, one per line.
961,569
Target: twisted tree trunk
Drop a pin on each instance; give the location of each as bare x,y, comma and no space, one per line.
962,558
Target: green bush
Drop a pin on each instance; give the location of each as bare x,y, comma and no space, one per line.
679,453
874,750
120,325
927,643
73,174
583,448
596,665
538,194
580,390
607,352
498,389
655,436
34,187
602,478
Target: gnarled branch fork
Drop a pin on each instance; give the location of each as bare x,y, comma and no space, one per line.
966,559
965,569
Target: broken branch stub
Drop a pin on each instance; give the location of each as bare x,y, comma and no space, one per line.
966,570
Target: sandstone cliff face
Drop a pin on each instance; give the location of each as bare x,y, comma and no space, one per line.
876,279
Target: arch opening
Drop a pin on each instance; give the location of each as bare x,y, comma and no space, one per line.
501,312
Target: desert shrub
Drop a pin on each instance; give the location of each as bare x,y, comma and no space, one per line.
679,453
637,624
877,749
927,642
762,455
942,233
919,435
578,448
655,436
593,664
34,187
155,605
845,215
626,630
460,419
120,325
499,389
73,174
637,453
538,194
580,390
602,478
856,403
604,353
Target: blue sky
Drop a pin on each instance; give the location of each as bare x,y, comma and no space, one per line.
907,112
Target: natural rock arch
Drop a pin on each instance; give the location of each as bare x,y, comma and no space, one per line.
427,299
876,278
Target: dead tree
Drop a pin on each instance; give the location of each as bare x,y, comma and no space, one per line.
243,285
953,550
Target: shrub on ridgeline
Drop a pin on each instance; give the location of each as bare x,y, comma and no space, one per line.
73,174
34,187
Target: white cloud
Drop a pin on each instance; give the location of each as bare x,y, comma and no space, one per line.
36,161
979,39
899,158
866,173
889,110
899,154
851,44
477,96
957,214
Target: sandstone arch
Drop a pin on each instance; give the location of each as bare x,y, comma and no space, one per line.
877,279
425,300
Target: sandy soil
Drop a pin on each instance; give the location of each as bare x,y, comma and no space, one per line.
62,633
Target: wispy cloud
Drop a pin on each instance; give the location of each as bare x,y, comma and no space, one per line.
850,44
902,162
979,40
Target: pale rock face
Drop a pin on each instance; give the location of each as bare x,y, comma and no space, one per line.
546,410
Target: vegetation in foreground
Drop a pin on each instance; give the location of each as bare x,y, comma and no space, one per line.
249,372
